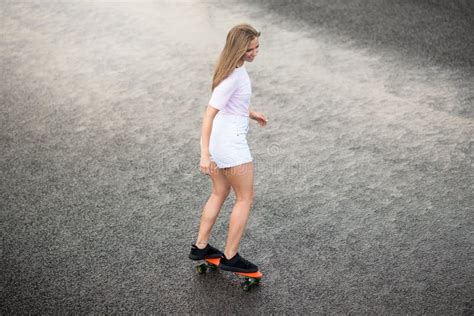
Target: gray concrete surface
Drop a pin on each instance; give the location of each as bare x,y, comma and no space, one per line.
364,174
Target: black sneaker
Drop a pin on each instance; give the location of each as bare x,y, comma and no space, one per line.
237,264
207,252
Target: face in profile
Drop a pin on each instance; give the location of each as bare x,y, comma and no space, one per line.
252,50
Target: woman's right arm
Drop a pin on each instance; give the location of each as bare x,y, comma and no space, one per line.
209,115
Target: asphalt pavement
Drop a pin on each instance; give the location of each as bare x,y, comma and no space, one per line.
363,176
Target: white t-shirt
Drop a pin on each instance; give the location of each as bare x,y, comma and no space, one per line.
232,95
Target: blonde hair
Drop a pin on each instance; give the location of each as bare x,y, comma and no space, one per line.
235,48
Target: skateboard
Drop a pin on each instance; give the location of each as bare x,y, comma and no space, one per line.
250,280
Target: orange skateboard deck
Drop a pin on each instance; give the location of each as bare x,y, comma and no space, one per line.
251,279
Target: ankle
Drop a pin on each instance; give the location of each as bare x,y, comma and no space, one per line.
201,245
229,255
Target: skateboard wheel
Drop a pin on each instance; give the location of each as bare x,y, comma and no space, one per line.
249,283
201,269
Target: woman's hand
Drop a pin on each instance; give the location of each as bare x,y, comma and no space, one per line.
205,165
259,117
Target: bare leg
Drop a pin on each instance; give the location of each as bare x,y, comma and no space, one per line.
220,191
241,180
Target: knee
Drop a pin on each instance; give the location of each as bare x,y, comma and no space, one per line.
246,197
221,193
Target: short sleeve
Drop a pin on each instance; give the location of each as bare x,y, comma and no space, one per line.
222,93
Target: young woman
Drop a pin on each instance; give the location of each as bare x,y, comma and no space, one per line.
225,155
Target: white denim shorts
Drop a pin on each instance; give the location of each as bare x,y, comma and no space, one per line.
228,142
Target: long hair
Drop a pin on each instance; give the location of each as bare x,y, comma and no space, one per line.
235,48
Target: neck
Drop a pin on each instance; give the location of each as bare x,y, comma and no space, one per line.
240,64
